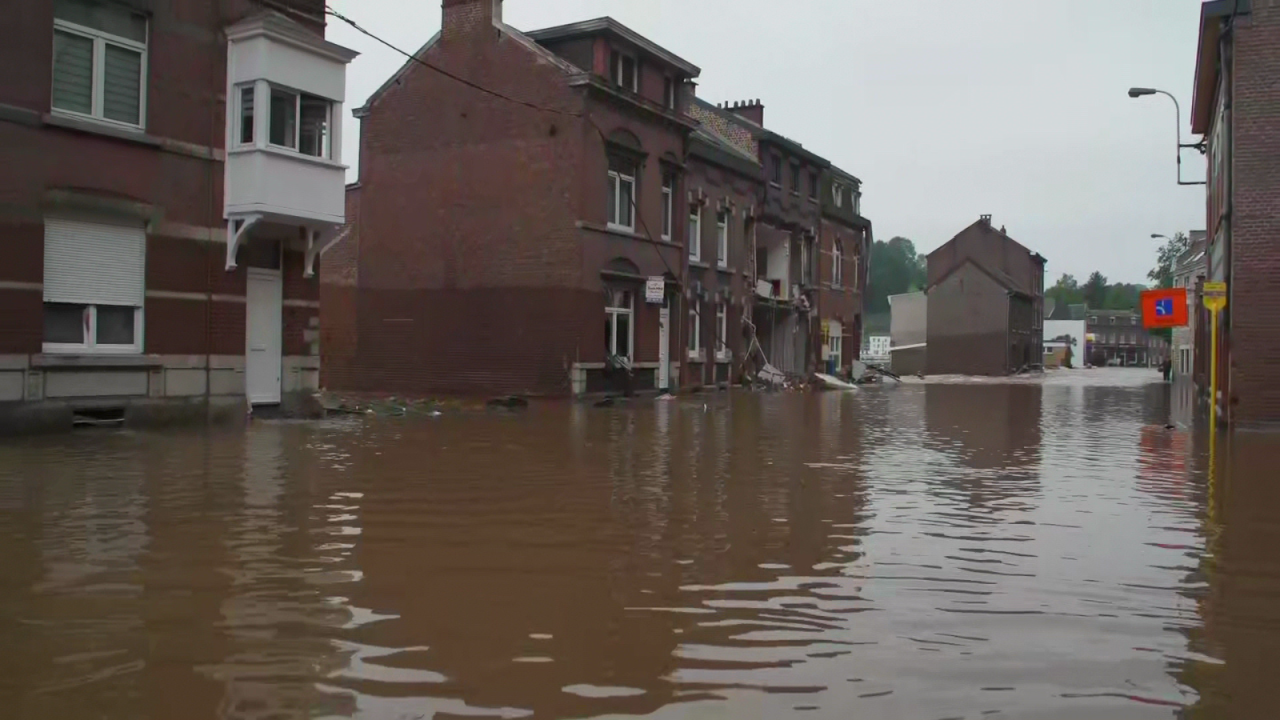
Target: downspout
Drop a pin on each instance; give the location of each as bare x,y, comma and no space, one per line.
1226,57
211,264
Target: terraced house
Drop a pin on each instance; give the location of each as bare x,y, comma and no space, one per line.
550,212
171,171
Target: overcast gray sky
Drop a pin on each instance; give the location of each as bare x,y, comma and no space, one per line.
946,109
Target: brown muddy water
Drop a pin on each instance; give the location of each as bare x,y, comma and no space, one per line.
942,550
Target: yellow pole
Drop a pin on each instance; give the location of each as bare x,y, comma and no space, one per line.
1213,371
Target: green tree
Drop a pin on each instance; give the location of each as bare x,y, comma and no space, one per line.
1167,259
1095,290
1066,291
896,268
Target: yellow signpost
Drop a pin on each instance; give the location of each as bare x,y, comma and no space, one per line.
1215,299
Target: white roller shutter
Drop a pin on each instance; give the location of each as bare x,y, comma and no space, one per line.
94,263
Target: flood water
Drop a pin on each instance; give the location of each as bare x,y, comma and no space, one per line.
1034,549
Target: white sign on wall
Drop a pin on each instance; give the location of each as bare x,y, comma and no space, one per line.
654,290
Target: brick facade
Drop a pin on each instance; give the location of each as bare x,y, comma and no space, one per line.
1237,108
168,175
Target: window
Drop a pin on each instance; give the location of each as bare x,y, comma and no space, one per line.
99,61
806,261
695,328
857,203
622,188
835,348
857,277
1093,319
619,328
695,233
722,330
813,185
93,286
246,115
795,179
837,264
625,75
668,208
669,93
837,194
299,122
722,238
777,170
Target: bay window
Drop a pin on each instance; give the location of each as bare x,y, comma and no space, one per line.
99,61
299,121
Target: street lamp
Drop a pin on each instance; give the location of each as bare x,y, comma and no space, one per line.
1137,92
1155,236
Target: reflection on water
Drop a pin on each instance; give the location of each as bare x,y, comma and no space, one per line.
1033,549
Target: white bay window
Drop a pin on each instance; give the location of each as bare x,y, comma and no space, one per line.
99,62
94,282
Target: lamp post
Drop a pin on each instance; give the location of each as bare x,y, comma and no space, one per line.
1138,92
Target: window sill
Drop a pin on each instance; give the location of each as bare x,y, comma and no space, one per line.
83,359
724,269
621,232
698,264
288,154
723,357
82,123
696,356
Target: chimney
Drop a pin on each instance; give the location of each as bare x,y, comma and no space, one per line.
752,110
463,17
986,220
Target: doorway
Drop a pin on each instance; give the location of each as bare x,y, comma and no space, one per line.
264,300
664,348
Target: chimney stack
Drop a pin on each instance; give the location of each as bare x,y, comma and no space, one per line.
463,17
752,110
986,220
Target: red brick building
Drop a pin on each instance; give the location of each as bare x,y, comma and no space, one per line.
844,246
505,236
985,294
1237,108
120,293
555,212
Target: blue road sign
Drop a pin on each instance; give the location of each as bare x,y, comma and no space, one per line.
1164,307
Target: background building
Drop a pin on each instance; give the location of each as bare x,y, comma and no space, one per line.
1237,109
986,304
171,171
1189,272
1120,339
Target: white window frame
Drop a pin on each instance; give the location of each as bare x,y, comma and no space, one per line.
616,179
695,331
612,312
837,194
695,241
668,205
327,150
722,331
856,276
837,264
253,92
722,238
618,58
98,91
669,92
90,345
835,348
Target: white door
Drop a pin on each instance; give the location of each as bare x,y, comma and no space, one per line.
664,348
264,335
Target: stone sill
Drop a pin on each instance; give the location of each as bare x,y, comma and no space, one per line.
72,361
623,233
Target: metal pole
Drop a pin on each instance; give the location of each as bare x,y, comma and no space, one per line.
1177,121
1213,372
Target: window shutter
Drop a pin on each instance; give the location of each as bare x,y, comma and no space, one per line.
94,263
122,84
72,72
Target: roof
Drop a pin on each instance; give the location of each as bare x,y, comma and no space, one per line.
419,58
708,145
1212,13
609,26
844,175
984,225
285,29
762,133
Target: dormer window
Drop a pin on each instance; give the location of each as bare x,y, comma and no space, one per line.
625,71
669,93
837,194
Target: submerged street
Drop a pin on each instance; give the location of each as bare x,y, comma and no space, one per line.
966,549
